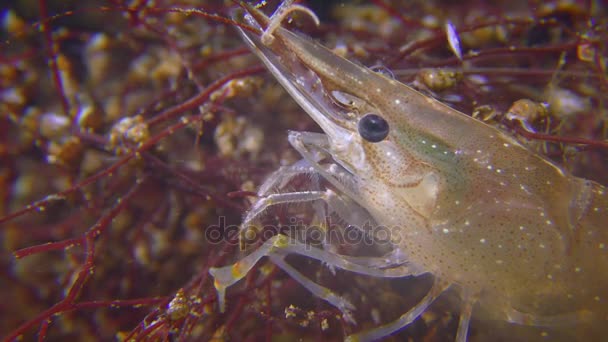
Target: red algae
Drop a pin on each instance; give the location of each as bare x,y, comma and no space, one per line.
134,134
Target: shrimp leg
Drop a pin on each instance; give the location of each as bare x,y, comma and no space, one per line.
382,331
282,245
319,291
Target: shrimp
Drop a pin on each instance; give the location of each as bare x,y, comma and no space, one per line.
518,238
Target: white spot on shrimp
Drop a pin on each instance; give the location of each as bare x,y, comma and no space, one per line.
397,102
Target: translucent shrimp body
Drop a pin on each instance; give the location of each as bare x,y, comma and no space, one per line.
517,236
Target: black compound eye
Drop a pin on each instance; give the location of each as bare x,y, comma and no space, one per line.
373,128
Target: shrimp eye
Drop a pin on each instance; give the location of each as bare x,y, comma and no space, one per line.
373,128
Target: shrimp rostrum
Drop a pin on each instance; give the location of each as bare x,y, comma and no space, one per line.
518,238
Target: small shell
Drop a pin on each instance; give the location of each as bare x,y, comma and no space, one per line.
453,39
